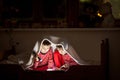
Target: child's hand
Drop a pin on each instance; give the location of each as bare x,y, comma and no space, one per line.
65,66
57,68
37,59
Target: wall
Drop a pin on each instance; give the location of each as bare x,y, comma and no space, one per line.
86,42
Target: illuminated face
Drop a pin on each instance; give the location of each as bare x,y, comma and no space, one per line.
61,51
45,48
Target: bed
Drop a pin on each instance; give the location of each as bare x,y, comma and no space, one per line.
82,72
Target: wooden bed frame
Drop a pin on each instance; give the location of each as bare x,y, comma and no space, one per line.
83,72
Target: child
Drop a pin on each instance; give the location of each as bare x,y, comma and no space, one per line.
44,58
62,59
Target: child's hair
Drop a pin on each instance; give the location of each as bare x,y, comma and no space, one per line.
59,46
46,42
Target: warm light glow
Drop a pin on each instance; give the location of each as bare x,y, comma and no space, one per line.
100,15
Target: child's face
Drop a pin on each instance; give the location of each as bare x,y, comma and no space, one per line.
61,51
45,48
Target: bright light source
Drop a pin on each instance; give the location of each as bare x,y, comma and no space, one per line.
100,15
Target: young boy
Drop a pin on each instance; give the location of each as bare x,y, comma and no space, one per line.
62,59
44,58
